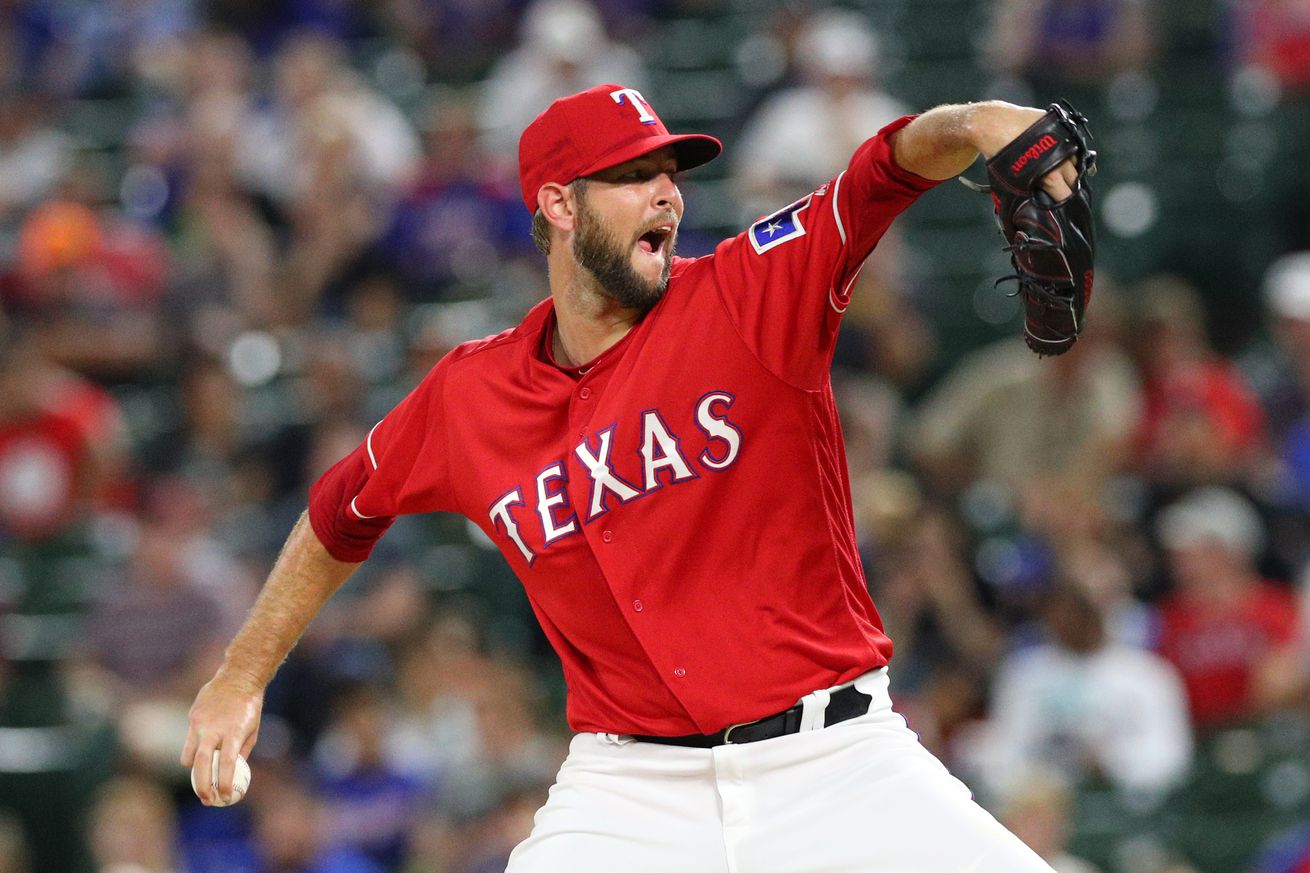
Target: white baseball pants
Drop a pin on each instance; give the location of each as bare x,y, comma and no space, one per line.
862,795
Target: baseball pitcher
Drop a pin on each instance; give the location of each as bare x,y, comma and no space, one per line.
655,449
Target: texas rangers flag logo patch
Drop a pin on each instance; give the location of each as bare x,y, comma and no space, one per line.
778,228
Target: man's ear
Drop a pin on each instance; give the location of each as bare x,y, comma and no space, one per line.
559,205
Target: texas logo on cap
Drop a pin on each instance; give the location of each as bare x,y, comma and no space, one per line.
592,130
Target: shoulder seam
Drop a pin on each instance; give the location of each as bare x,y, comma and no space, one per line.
472,348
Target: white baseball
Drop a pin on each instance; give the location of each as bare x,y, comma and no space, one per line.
240,782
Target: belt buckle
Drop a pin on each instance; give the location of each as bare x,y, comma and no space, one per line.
727,732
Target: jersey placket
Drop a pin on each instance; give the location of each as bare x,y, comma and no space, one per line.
583,403
601,535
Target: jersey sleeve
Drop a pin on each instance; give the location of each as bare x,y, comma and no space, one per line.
787,279
401,468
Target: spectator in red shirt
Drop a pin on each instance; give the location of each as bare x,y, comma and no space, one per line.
62,441
1201,423
1274,35
1231,633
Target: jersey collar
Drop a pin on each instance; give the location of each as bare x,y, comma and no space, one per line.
546,351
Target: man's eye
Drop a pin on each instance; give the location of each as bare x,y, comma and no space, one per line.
645,175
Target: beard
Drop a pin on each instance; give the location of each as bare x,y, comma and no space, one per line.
605,256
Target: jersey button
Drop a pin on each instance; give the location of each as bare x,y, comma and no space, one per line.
584,393
679,672
608,536
636,606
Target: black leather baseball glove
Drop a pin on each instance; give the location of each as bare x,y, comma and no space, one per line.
1050,243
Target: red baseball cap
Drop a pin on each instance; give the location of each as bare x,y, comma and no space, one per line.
587,132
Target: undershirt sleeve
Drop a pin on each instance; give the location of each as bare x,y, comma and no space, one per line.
787,279
401,468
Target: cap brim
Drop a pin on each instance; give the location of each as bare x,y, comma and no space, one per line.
690,149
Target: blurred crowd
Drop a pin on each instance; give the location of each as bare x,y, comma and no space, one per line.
234,234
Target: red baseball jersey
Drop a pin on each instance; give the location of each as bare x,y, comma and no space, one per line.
1218,652
679,511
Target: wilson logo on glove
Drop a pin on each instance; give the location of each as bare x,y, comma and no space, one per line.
1042,146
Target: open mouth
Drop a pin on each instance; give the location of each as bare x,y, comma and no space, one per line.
654,240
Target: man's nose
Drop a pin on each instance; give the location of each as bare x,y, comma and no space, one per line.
665,194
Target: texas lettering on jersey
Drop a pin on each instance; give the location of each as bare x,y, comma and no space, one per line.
660,452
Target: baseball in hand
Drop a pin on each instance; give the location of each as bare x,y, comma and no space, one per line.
240,781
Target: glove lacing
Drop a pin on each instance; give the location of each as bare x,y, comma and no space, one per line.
1048,294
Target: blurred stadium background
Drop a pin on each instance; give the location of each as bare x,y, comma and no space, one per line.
234,233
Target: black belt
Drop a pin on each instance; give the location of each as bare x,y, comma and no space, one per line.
843,704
